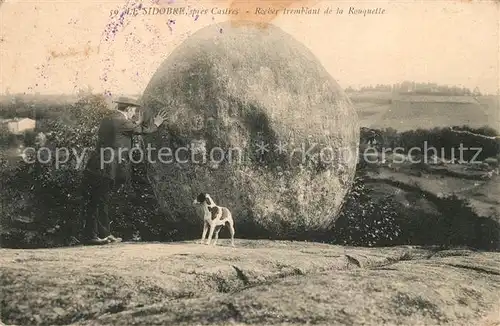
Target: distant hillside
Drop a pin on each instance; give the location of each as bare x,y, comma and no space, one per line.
435,99
43,99
38,106
491,104
371,97
406,112
37,99
404,115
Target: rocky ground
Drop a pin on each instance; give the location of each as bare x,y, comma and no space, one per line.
258,282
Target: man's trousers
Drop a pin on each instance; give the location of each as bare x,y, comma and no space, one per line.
97,193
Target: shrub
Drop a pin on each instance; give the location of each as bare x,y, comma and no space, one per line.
365,221
52,194
7,139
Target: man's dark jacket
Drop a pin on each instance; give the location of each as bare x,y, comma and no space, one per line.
115,136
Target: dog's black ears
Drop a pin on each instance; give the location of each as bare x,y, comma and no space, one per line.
201,198
204,198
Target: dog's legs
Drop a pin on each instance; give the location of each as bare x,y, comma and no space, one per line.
216,237
217,230
205,230
210,233
231,230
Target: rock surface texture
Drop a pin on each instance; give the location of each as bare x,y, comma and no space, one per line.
258,283
265,129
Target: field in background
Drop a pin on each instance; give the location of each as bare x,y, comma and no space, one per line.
483,194
383,110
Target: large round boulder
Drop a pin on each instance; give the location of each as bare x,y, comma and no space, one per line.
257,122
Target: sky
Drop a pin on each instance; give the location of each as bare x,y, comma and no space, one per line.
56,47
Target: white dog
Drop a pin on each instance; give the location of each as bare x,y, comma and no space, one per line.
214,218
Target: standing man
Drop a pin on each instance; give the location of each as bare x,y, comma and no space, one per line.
109,166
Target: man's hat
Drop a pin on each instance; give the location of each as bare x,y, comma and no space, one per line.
127,101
